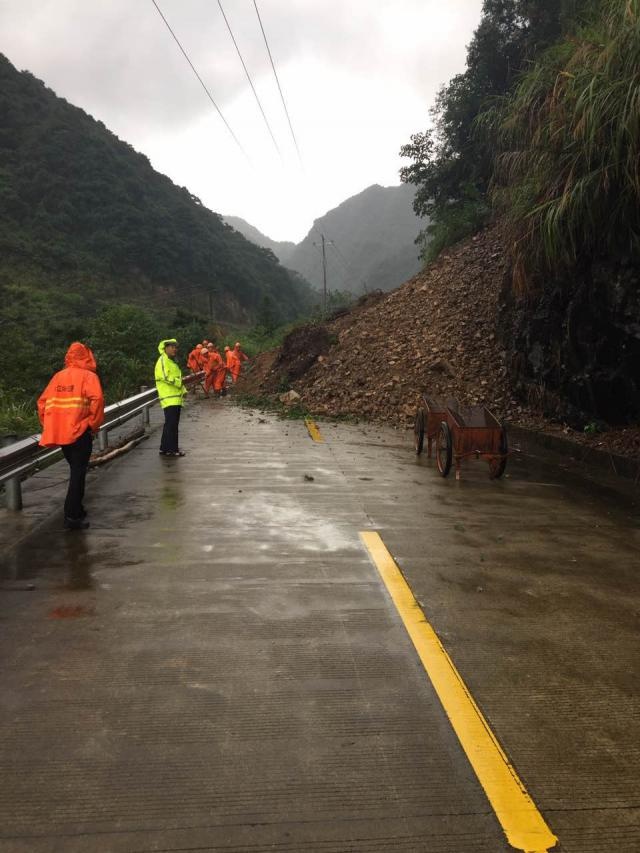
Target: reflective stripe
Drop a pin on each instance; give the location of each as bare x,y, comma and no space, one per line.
51,400
67,406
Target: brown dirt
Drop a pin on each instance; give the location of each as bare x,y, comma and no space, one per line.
436,333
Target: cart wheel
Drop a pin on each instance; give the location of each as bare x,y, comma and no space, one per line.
418,432
444,449
497,466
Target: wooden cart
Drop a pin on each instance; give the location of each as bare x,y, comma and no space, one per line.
430,414
467,432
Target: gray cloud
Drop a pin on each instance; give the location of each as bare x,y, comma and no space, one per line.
116,58
359,78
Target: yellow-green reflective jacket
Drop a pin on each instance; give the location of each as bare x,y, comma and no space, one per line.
168,378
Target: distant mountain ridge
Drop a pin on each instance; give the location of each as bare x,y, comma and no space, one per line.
78,205
370,242
282,249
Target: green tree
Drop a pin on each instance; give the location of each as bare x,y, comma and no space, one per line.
125,342
452,164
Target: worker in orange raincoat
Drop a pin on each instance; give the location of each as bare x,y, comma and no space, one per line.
238,358
193,359
216,371
204,358
71,410
229,360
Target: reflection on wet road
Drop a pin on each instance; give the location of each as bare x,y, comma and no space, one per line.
216,664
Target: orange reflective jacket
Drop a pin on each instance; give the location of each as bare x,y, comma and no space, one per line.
193,362
240,356
73,401
214,362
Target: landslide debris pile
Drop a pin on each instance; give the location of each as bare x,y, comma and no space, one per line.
436,333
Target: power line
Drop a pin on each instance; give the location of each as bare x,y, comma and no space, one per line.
246,71
275,74
347,266
346,263
200,80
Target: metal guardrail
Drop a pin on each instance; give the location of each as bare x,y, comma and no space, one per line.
19,459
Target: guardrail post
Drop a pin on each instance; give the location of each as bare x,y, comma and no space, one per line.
146,412
12,487
103,440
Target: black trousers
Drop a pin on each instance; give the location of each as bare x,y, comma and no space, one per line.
169,440
77,455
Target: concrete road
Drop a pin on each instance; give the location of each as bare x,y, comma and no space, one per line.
217,665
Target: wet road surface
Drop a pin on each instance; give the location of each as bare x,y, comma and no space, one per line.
216,664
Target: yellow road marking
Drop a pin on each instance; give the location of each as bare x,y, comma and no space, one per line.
521,821
314,432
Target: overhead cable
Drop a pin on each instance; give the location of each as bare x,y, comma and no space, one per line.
347,266
246,71
275,74
200,80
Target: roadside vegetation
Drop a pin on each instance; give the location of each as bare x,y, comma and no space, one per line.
453,161
543,128
97,246
567,177
124,339
541,137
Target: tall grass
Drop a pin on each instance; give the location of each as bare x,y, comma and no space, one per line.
568,175
17,416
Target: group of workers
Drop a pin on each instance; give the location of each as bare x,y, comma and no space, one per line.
206,357
71,407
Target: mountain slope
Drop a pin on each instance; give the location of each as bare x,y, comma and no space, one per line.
282,249
371,242
79,205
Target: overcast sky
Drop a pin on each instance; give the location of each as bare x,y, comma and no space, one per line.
358,78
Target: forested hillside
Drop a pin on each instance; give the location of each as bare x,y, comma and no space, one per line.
282,249
542,131
86,224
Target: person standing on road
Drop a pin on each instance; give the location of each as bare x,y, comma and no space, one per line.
204,358
204,365
193,361
171,392
216,371
71,410
238,358
229,361
201,359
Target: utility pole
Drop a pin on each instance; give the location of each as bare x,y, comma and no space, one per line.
324,278
324,273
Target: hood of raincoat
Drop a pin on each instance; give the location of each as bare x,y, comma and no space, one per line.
163,344
79,355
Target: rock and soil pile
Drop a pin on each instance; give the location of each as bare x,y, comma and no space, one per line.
435,333
439,333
